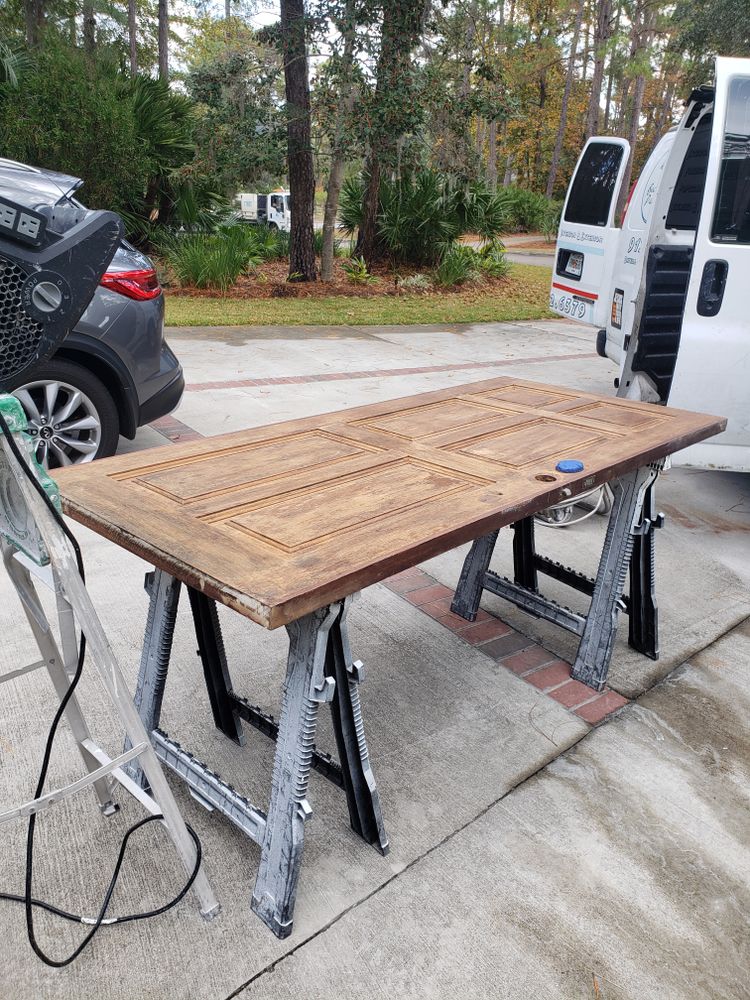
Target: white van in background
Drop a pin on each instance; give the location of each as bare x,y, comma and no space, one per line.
273,210
666,289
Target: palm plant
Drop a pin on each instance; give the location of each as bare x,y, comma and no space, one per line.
423,214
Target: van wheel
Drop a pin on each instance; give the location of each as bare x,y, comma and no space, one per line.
272,225
72,417
601,343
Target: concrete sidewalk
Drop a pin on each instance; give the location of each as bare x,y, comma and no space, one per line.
531,854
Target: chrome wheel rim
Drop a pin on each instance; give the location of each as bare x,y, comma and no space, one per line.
63,422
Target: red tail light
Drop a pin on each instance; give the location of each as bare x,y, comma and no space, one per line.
142,284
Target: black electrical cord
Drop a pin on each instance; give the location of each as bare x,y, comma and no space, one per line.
27,899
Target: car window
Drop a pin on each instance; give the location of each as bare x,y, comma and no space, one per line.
591,193
731,221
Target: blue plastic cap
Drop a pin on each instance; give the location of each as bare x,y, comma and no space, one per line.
569,465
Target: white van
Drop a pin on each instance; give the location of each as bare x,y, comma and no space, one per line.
273,210
666,288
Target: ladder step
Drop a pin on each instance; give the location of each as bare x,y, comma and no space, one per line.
22,670
36,805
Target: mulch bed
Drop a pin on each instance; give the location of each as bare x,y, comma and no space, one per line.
270,282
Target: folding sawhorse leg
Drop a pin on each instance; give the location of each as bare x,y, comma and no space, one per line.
597,628
320,669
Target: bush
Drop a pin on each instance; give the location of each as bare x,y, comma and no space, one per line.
459,265
339,250
551,220
525,210
210,260
491,260
422,215
416,283
69,115
356,271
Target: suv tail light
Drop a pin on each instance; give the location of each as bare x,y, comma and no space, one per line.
142,284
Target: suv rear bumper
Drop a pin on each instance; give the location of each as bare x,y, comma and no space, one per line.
164,401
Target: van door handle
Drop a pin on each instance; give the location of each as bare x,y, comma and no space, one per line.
713,281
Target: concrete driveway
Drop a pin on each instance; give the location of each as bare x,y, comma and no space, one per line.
546,841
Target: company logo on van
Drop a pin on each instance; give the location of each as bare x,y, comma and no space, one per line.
581,236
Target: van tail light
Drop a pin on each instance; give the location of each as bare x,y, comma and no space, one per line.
140,285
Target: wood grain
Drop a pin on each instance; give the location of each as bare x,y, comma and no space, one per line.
277,521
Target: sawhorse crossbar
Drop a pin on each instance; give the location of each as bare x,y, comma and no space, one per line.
320,669
632,517
34,546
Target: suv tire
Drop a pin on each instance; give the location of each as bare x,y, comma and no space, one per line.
55,387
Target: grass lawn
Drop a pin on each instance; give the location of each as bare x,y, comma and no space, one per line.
523,296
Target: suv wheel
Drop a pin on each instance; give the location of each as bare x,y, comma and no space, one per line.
71,415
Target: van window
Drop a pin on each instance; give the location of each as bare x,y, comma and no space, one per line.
685,206
591,193
731,223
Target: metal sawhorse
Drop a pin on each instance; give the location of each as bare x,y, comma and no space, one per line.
33,545
320,669
632,518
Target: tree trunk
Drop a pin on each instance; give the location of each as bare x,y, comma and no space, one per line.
227,9
602,34
642,33
89,27
34,19
560,137
163,16
492,155
338,152
508,175
133,37
611,73
299,143
401,29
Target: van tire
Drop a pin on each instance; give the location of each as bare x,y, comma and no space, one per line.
601,343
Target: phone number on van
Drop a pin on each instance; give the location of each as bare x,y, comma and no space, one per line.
569,305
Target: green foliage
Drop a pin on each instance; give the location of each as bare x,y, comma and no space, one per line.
70,115
416,283
550,222
235,80
458,265
357,272
525,210
339,250
210,260
423,214
491,260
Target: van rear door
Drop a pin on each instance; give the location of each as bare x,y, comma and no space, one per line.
587,240
712,371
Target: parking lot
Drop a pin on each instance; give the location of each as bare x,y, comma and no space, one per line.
544,842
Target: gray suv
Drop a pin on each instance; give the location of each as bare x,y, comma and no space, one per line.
115,372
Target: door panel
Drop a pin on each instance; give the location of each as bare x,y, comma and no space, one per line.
587,240
713,364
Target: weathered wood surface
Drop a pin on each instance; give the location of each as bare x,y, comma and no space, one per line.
278,521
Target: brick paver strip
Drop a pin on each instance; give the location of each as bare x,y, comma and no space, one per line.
528,659
514,651
481,632
246,383
426,595
506,644
549,677
603,706
572,694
